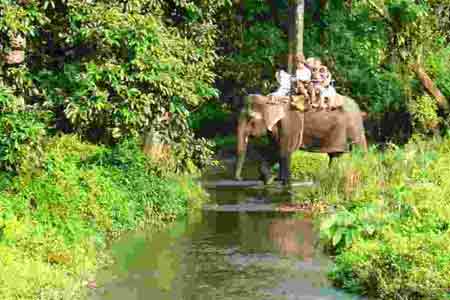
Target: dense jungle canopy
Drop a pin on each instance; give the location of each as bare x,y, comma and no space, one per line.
108,70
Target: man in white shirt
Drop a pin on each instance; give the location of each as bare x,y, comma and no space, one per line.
284,80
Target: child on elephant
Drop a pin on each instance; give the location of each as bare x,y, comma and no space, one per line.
302,76
323,94
327,92
314,65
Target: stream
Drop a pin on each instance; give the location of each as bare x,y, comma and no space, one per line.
238,248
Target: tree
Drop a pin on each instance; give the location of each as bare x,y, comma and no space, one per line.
411,27
296,28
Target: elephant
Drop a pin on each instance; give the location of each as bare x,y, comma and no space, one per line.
292,129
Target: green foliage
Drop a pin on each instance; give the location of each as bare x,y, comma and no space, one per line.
84,195
437,64
20,140
225,142
113,70
307,166
356,48
344,227
390,228
424,112
21,133
251,46
369,55
209,112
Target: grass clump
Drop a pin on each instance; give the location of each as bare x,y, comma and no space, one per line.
307,165
54,224
389,229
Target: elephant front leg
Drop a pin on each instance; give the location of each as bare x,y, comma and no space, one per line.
269,157
265,171
239,165
285,169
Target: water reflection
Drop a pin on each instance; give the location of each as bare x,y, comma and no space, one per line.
293,237
224,256
233,255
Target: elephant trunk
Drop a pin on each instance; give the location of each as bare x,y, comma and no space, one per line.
242,141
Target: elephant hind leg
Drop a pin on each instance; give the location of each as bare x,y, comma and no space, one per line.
268,157
265,171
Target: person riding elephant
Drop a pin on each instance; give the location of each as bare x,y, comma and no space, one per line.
313,64
284,81
329,131
323,94
272,113
327,92
302,77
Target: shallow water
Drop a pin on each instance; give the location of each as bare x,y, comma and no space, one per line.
248,252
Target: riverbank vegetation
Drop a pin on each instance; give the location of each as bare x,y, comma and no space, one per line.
389,230
56,223
85,87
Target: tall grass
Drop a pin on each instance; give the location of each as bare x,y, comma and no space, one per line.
390,227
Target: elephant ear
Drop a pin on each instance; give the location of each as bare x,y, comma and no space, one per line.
273,114
263,107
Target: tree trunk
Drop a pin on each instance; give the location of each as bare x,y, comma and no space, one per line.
274,10
296,28
322,8
318,9
431,88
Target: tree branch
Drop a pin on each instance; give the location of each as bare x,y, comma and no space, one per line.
430,87
380,11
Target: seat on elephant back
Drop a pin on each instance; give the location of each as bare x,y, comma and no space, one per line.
277,106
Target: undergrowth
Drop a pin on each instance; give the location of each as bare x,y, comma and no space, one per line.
53,225
389,230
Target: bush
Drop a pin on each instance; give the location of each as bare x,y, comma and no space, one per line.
424,111
21,133
109,70
57,221
250,48
307,165
390,229
209,114
437,64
